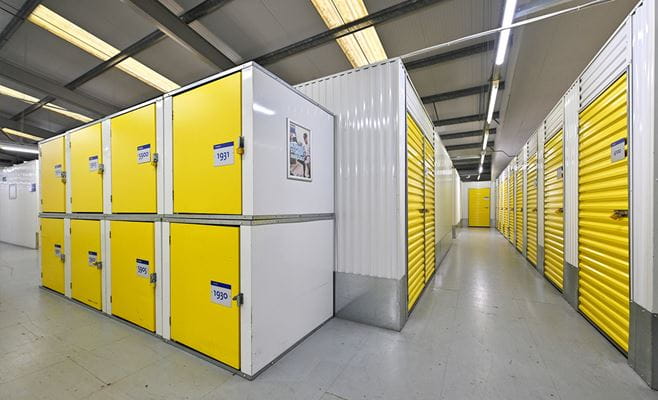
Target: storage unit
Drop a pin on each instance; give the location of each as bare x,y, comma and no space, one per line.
87,169
384,191
52,253
86,262
532,204
478,207
519,199
52,175
511,202
553,210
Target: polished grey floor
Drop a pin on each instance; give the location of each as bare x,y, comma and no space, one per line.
489,327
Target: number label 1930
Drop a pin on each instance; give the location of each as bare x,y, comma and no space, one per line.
220,293
142,268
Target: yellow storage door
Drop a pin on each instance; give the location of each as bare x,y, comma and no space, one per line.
499,207
52,254
430,179
519,209
205,277
554,210
603,244
134,176
478,207
132,245
52,176
415,217
532,209
510,208
505,208
207,128
86,259
86,170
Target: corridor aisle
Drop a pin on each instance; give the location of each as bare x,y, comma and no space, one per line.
488,327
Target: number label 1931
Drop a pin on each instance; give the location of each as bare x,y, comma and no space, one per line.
142,268
223,154
220,293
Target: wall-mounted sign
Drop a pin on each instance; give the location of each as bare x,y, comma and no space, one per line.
299,152
559,172
618,150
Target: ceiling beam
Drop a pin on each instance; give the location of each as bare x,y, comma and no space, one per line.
476,145
45,85
461,120
460,135
455,94
357,25
25,127
169,23
473,172
450,55
473,163
17,21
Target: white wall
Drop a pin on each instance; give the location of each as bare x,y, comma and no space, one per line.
464,194
19,217
457,192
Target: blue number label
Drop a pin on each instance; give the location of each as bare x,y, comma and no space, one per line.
223,154
143,154
142,268
220,293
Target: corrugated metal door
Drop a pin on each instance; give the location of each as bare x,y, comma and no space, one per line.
505,208
430,214
478,207
205,276
532,209
519,209
133,261
553,210
133,172
207,169
86,170
52,254
510,206
603,243
415,213
85,262
51,171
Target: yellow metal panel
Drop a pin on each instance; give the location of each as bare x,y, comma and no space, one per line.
603,244
499,207
519,209
204,117
85,253
510,206
415,217
86,183
478,207
430,252
505,212
132,245
52,251
553,210
203,256
51,167
133,174
532,209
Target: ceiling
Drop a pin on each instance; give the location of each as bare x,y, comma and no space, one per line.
544,59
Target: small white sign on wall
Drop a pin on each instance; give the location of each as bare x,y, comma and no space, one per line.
618,150
299,152
93,164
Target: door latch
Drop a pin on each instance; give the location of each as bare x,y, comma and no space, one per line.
101,168
153,278
98,264
422,210
240,149
63,176
62,257
239,298
559,211
619,214
156,158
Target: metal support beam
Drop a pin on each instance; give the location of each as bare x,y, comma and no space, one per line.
472,164
450,55
460,135
455,94
17,21
476,145
357,25
467,118
28,128
42,84
178,30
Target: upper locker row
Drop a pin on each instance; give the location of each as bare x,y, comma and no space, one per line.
119,165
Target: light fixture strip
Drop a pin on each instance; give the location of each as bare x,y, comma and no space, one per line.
19,149
14,132
492,101
5,91
503,39
486,140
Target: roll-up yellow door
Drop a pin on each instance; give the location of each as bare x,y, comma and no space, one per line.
553,210
86,170
132,245
205,278
207,166
86,262
510,206
133,170
430,215
52,254
499,207
532,209
505,223
603,243
478,207
52,175
519,209
415,216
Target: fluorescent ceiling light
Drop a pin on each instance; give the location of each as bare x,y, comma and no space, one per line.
482,158
5,91
480,170
360,48
19,149
486,139
14,132
492,101
72,33
503,40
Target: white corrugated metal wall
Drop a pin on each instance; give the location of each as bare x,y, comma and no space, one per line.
571,101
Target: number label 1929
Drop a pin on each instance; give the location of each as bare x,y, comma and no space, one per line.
142,268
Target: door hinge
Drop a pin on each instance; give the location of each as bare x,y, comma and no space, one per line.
71,285
110,198
153,278
239,299
110,298
110,234
169,320
170,239
240,149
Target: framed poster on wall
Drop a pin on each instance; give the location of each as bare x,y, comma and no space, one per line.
299,152
13,191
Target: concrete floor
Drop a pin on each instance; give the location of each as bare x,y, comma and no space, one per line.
489,327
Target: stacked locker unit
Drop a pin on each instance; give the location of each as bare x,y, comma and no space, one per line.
187,215
384,189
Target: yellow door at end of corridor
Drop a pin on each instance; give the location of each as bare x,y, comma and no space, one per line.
52,175
134,172
205,279
132,246
478,207
86,170
532,209
430,215
86,262
554,210
207,166
415,213
603,213
52,253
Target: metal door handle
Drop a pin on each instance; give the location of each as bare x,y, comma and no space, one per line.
559,210
619,214
98,264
